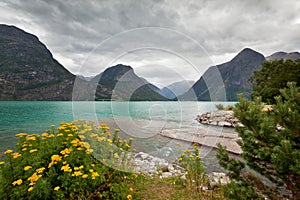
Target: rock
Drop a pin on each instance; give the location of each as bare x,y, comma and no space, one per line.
166,174
219,118
150,165
216,178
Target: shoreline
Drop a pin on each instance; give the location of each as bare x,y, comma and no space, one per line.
206,137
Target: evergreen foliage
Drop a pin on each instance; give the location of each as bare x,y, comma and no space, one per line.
274,76
270,140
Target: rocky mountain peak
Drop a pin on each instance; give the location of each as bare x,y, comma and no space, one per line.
247,55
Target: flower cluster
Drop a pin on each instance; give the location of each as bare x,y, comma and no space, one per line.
58,164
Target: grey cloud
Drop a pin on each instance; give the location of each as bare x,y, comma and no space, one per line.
75,30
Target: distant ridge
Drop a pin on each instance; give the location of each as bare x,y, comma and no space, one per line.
176,89
126,85
281,55
234,76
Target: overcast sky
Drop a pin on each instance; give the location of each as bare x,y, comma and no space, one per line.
163,40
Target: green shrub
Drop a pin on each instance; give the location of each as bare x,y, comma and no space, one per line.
194,168
60,165
270,143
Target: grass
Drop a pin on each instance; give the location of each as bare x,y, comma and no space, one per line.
172,188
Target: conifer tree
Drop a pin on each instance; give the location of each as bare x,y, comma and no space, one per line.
274,76
270,140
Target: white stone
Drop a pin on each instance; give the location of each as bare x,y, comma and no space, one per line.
166,174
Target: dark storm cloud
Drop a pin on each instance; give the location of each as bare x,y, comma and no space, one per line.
78,32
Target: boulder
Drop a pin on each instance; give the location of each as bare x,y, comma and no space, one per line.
219,118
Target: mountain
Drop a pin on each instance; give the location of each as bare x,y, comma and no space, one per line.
85,78
28,70
224,81
283,56
124,84
176,89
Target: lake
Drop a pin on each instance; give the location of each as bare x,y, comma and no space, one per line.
141,120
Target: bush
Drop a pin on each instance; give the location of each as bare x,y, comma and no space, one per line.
270,142
194,168
273,76
60,165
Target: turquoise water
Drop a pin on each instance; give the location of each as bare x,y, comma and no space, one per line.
141,118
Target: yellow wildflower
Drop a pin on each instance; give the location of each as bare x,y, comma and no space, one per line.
76,143
93,135
131,189
81,167
40,170
191,156
127,145
30,138
103,126
66,151
2,162
91,170
8,151
188,151
94,175
21,134
70,135
60,134
61,128
116,155
30,189
27,168
198,157
45,134
77,173
56,188
131,139
66,168
129,197
180,159
89,151
100,139
33,150
56,158
85,176
16,155
51,136
24,149
135,175
17,182
33,178
110,140
93,165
